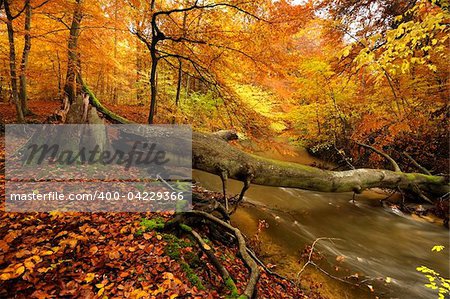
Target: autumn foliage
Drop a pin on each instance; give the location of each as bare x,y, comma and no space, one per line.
325,74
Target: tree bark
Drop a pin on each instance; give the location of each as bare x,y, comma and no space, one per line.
23,95
12,63
153,85
115,90
139,68
72,64
214,155
180,77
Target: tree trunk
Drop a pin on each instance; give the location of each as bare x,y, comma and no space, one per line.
139,68
72,65
180,77
153,85
60,89
180,65
214,155
23,95
115,91
12,63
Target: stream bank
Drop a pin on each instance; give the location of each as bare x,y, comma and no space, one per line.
378,243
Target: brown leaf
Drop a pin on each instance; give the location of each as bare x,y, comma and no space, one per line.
93,250
4,246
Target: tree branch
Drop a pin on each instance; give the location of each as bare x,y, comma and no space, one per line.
384,155
420,167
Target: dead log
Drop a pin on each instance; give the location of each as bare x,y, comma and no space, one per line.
214,155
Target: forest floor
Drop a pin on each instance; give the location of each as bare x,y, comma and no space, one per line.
93,255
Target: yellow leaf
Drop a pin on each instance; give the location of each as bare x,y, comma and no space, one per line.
20,270
100,292
346,51
71,242
36,258
99,285
438,248
29,264
139,293
44,270
89,277
207,247
168,275
47,252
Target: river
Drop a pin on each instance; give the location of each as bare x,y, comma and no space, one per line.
375,242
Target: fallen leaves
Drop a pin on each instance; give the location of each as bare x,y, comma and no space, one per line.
101,255
93,250
12,271
89,277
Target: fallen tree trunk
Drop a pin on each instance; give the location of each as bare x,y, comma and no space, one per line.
213,154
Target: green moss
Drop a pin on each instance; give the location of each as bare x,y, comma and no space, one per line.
229,283
96,103
192,277
152,224
174,246
185,227
173,250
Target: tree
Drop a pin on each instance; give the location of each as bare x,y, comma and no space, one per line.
12,58
154,33
73,62
23,94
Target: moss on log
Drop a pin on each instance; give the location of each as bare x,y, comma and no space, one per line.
214,155
102,109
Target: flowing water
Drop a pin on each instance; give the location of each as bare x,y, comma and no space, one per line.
375,242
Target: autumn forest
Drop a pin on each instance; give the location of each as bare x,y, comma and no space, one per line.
320,146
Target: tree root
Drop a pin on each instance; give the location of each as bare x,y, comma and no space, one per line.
226,277
242,247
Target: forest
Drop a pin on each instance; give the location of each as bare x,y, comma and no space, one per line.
320,146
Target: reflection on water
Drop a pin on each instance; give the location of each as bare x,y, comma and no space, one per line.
376,242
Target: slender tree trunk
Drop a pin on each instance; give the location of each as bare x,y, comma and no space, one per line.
180,78
72,65
180,66
23,95
187,87
317,117
153,85
12,63
139,67
1,88
60,88
115,96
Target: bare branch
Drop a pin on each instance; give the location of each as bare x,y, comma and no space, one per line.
420,167
384,155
